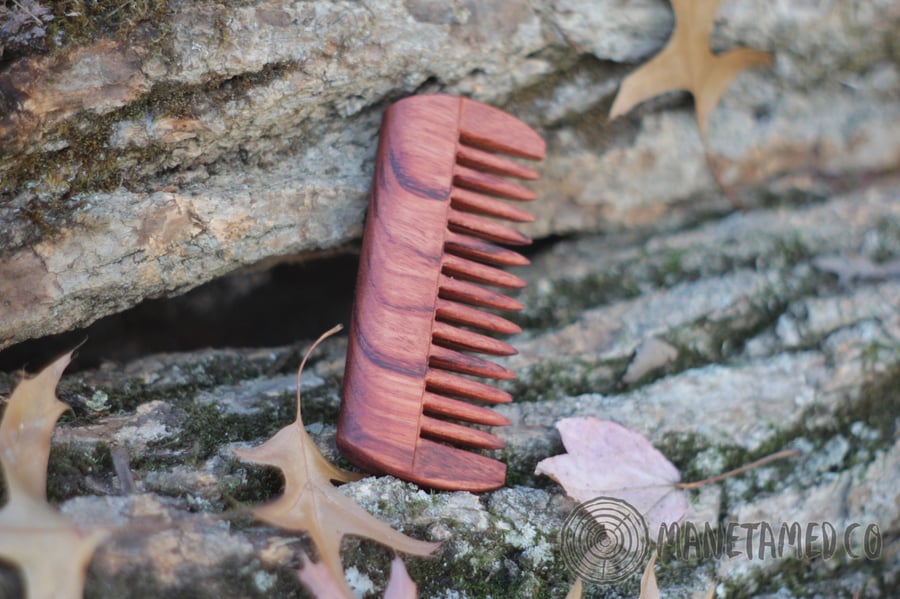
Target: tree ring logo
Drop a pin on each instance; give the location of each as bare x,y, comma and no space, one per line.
604,540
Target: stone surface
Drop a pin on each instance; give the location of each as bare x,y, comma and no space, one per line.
142,158
780,329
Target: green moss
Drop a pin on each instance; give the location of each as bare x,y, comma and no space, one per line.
683,449
256,484
69,470
212,372
566,299
84,21
85,162
481,565
818,578
205,428
877,406
552,379
887,234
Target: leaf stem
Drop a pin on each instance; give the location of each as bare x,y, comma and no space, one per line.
315,344
714,479
717,177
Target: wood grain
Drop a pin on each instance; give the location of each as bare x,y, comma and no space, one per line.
427,252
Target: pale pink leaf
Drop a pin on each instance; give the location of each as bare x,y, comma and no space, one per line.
400,585
319,580
607,459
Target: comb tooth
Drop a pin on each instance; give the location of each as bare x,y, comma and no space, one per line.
448,359
461,410
480,273
492,129
457,433
476,295
482,160
468,177
471,201
478,249
486,229
473,317
457,338
453,384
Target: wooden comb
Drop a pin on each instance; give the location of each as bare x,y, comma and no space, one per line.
427,250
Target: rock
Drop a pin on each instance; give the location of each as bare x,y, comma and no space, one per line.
773,352
154,149
649,356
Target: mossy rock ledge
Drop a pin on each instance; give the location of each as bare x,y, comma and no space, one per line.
775,329
150,148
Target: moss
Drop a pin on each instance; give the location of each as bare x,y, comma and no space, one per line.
205,428
706,341
208,374
70,469
886,232
877,406
82,21
552,379
482,565
566,299
257,483
561,302
86,162
816,578
683,449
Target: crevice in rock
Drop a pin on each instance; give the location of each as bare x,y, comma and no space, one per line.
257,308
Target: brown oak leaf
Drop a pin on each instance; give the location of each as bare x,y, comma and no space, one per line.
687,63
52,552
310,503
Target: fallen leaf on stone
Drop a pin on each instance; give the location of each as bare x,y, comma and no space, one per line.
319,580
607,459
649,588
52,552
400,585
687,63
577,590
310,502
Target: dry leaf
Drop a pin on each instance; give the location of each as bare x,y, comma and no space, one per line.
400,585
649,589
577,589
687,63
52,552
317,578
312,504
607,459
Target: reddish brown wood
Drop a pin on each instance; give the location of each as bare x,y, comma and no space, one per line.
420,282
